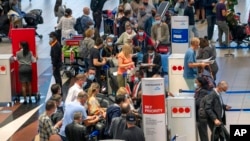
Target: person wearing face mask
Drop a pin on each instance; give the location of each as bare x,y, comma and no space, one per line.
160,31
109,50
80,82
90,77
123,21
137,91
56,59
118,17
141,41
149,22
136,4
58,115
148,6
127,35
142,17
153,61
96,60
215,107
189,11
201,91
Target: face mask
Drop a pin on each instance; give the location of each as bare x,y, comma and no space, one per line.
136,79
145,3
84,84
195,85
129,31
91,26
109,43
157,22
51,39
91,77
61,104
140,33
150,54
55,111
131,18
222,93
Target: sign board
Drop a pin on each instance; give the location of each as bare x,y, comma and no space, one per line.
179,34
153,109
181,118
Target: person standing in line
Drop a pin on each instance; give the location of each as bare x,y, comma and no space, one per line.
211,18
200,92
215,107
189,11
221,13
190,64
133,132
66,24
59,10
25,59
56,57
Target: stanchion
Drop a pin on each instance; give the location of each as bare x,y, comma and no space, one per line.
229,54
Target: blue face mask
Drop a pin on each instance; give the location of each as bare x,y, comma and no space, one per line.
84,84
157,22
195,85
91,77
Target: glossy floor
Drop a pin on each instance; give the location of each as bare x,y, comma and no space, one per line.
19,123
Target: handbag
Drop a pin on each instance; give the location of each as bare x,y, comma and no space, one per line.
220,131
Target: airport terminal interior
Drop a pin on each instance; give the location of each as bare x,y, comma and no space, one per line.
19,122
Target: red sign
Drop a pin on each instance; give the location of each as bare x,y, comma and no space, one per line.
153,104
182,111
73,42
177,68
17,37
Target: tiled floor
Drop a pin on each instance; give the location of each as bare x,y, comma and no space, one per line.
19,123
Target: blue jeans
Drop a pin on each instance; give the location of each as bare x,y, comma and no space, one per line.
194,30
211,20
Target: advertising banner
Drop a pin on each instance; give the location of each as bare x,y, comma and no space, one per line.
153,109
179,34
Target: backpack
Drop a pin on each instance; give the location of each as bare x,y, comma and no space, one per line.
78,25
84,50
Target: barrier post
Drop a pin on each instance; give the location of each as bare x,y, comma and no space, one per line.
154,109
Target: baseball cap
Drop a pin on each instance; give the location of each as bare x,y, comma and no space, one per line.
130,117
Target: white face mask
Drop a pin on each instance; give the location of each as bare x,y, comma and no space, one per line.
140,33
195,85
51,39
91,26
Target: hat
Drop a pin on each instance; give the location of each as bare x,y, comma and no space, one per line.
53,34
130,117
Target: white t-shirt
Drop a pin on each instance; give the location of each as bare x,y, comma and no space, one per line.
73,93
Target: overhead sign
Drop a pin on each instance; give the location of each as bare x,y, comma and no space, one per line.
154,109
